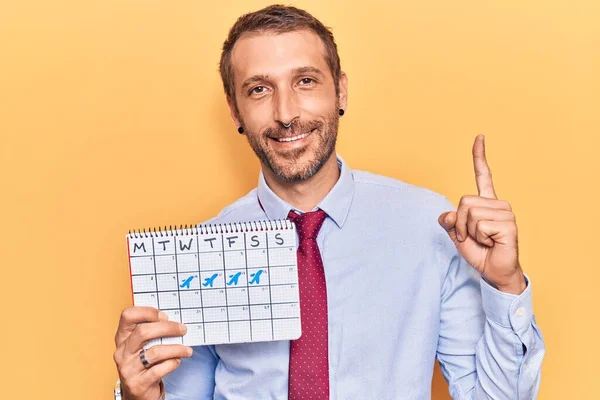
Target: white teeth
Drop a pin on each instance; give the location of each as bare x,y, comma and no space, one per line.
293,139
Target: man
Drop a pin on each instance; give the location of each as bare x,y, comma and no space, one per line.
384,291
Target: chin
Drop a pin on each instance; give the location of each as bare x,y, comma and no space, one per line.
296,165
295,175
297,171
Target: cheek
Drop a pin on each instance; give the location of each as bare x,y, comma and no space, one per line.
257,115
316,103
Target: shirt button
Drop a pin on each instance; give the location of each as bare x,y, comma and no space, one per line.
520,312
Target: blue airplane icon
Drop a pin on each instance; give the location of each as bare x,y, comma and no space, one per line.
256,277
187,282
209,281
234,279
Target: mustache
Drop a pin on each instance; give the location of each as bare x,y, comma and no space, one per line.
297,128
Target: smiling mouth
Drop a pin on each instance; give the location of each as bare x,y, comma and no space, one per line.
293,138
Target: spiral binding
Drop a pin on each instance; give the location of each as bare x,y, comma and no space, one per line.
212,229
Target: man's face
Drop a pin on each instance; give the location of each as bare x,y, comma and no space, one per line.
282,79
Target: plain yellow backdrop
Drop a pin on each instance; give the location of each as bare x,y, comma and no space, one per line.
112,117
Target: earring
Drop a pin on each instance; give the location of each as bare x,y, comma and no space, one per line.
240,130
341,112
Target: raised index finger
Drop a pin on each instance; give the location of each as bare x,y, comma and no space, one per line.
483,175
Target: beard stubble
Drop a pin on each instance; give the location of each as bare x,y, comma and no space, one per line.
289,166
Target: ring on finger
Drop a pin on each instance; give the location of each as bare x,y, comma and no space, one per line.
143,359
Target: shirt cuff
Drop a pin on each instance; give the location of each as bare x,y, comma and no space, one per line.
505,309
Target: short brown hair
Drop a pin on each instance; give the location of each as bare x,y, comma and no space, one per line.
277,19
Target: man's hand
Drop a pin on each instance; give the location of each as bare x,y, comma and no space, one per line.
137,326
484,230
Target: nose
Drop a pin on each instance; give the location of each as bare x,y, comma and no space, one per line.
285,107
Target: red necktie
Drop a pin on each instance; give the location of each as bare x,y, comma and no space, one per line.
309,367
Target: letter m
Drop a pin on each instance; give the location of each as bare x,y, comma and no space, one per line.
139,246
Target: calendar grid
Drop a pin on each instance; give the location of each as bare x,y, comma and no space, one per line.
215,307
177,275
225,289
237,286
275,285
200,288
255,319
270,295
155,281
247,288
155,273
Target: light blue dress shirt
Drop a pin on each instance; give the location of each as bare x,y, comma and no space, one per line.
399,296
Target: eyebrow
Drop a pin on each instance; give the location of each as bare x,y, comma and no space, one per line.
295,71
253,79
305,70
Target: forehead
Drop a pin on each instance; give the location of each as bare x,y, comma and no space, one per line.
277,54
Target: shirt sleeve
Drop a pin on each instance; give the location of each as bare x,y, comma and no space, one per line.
194,379
489,345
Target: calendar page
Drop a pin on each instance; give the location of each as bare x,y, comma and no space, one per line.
230,283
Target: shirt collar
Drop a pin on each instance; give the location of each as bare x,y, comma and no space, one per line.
336,203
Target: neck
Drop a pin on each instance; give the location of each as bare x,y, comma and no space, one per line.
305,195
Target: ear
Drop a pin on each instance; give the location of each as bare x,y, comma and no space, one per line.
233,112
343,96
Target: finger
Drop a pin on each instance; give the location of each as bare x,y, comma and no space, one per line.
143,333
447,221
483,174
467,202
131,316
132,370
491,233
477,214
159,371
157,354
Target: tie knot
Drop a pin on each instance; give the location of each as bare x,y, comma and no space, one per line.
308,224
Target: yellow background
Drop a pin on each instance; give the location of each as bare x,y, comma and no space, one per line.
112,117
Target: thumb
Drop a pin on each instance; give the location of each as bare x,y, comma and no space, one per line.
447,221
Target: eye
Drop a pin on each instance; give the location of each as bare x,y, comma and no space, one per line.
258,90
307,81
